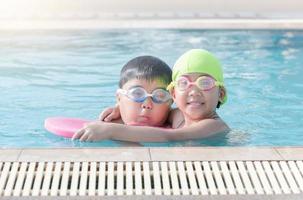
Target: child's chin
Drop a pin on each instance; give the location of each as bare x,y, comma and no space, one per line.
196,115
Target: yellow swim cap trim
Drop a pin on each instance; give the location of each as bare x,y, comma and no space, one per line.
171,86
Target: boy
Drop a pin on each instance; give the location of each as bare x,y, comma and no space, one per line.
142,96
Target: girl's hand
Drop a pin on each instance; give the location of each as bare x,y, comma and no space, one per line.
110,114
93,131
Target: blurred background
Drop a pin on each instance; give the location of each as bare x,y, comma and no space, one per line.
29,13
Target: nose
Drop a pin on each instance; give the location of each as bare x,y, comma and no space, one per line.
194,90
147,104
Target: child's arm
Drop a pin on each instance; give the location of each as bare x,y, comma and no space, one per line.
111,114
202,129
175,118
102,131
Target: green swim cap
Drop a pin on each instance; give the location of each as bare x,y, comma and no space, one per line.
199,61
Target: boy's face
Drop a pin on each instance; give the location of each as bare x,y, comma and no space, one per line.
195,103
146,113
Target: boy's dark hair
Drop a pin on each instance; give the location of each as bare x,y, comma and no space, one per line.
145,67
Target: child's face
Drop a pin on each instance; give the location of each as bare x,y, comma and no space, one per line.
195,103
147,113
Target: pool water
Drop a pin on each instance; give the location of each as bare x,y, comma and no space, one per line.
75,73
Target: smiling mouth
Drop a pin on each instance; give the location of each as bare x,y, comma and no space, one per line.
195,103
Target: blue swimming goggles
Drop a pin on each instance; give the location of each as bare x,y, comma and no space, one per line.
139,95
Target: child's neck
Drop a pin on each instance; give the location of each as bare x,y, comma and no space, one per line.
188,121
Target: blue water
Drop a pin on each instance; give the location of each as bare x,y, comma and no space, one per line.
75,74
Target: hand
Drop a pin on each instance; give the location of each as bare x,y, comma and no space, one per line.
109,114
93,131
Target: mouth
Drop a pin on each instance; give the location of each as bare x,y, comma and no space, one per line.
195,103
143,119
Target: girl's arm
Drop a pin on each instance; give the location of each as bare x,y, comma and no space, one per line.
102,131
111,114
202,129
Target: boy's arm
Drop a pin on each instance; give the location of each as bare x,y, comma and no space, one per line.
175,118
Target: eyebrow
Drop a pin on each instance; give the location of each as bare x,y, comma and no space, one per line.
188,76
134,86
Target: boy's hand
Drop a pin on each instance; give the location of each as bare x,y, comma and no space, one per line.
93,131
110,114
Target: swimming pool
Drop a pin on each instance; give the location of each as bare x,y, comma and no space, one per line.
75,73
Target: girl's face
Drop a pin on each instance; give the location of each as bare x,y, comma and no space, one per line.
195,103
146,113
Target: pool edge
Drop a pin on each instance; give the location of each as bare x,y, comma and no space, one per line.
151,154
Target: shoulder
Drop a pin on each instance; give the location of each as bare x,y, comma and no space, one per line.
176,118
209,125
216,124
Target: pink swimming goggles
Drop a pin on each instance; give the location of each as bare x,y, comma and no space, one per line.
204,83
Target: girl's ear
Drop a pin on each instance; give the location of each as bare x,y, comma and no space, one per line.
222,93
118,98
172,93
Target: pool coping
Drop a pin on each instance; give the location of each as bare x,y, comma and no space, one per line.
151,154
155,154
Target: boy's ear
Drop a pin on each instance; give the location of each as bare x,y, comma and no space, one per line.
222,93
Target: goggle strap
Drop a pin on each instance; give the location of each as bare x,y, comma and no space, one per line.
218,83
121,91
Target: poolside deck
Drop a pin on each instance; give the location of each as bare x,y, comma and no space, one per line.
151,173
138,23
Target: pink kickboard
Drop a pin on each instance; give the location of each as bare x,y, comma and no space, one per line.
63,126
